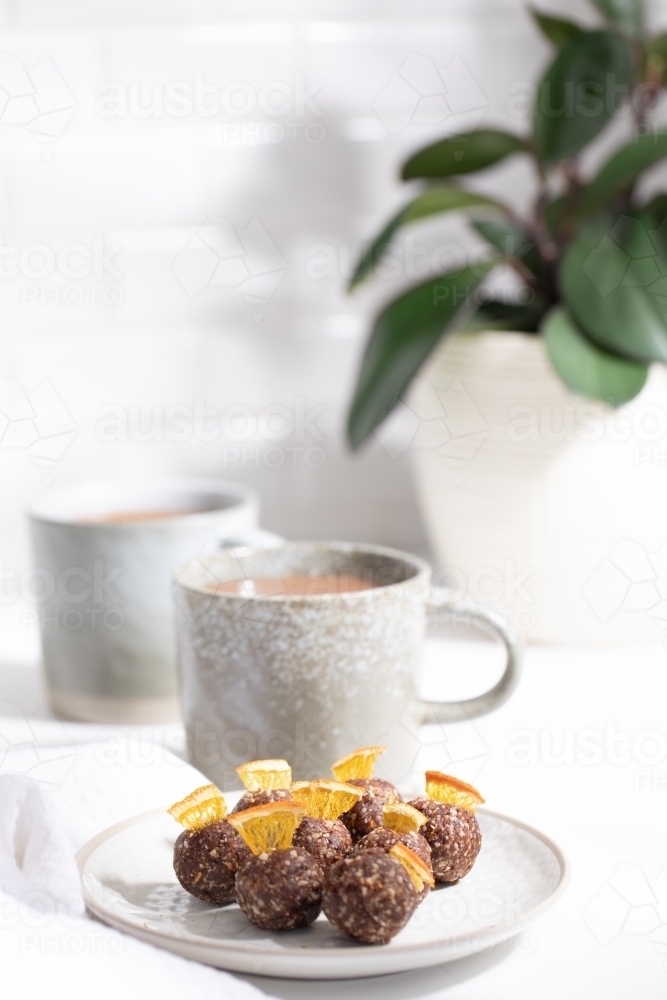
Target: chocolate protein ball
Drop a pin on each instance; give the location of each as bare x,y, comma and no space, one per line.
326,840
366,814
383,840
261,798
280,890
206,861
369,896
453,835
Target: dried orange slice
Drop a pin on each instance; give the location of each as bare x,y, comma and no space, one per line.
402,818
358,764
270,827
265,775
324,798
445,788
200,808
414,866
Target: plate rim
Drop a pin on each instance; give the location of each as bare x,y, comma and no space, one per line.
256,947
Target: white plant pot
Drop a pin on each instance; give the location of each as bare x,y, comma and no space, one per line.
548,504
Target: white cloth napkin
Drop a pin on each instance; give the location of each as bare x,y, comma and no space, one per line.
52,800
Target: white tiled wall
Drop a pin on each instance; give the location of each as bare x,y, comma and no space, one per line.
132,319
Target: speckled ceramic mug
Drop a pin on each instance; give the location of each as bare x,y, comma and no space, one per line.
310,677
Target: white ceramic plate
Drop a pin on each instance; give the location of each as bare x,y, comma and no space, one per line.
128,882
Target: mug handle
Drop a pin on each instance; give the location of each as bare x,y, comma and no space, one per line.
439,603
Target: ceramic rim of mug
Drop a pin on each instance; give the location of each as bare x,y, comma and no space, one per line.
99,498
419,566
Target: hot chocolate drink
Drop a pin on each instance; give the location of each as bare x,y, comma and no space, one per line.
138,516
294,585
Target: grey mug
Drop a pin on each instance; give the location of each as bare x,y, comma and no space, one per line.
310,677
104,601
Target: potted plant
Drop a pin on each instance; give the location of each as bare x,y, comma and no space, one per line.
547,484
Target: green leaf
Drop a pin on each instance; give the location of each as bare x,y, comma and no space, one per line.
434,202
558,31
462,154
654,216
656,56
612,281
403,336
584,368
658,44
582,89
620,172
627,13
554,214
656,209
493,315
511,241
